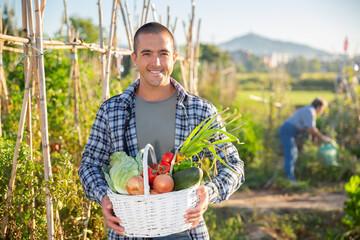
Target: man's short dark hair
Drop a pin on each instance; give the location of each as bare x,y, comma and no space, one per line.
154,28
319,102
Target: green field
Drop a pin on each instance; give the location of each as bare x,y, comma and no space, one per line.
296,98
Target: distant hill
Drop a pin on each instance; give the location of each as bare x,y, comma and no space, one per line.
263,46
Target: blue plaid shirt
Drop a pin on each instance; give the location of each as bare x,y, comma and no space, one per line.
114,131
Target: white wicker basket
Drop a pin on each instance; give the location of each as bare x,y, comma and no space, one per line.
153,215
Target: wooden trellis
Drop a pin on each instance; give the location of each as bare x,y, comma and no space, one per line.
33,46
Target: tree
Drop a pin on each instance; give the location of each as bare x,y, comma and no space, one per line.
314,65
297,66
87,30
212,54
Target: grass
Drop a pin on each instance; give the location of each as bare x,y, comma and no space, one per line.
296,98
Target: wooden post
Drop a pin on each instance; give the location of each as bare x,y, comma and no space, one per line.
88,214
196,61
44,121
12,25
143,13
67,22
3,86
147,11
102,55
1,78
154,12
129,21
105,89
28,70
168,17
126,26
174,26
11,186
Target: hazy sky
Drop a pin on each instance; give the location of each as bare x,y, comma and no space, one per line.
322,24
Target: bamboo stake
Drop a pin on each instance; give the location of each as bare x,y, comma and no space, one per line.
105,89
196,59
102,56
126,27
184,75
61,26
129,21
147,11
42,8
36,90
53,44
174,27
11,186
27,74
143,13
168,17
191,70
0,109
3,86
69,84
44,122
67,22
154,12
76,79
11,49
14,39
12,24
88,214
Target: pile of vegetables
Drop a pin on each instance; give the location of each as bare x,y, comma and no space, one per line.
176,171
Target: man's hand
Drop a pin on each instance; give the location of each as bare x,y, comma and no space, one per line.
109,216
194,214
325,139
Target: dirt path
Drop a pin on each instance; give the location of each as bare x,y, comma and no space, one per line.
267,200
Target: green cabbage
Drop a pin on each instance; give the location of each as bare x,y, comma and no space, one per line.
122,168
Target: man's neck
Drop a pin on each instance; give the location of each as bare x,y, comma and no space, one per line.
153,94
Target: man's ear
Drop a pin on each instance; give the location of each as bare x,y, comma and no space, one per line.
175,56
133,57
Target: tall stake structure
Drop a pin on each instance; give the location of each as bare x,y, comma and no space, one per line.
34,71
38,53
44,119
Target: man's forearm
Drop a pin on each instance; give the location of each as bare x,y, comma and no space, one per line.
317,133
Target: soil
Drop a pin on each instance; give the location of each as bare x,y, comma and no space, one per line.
270,200
267,201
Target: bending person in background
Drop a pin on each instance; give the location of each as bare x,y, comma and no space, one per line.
304,119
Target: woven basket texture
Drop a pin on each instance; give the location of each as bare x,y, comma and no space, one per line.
153,215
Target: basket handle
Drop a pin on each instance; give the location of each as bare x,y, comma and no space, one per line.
148,148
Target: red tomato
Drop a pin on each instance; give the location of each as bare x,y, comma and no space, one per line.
151,174
167,157
163,168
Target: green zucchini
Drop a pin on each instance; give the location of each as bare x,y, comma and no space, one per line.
187,178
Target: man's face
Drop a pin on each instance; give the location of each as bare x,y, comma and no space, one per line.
154,59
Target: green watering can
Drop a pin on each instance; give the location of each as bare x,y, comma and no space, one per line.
327,154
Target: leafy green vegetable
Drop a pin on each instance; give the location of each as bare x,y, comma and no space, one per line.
122,168
208,130
106,171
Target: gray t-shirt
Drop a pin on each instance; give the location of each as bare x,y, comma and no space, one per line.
303,118
155,124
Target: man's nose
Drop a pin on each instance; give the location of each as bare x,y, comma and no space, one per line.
156,60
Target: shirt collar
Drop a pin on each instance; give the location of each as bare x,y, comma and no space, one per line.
128,96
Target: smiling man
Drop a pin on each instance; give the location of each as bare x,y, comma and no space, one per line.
155,109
